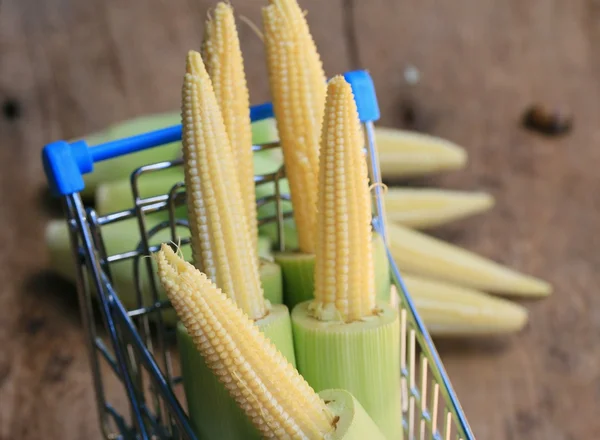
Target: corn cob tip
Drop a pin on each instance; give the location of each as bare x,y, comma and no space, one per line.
194,64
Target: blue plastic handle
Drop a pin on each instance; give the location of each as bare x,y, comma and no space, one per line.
261,111
65,164
364,95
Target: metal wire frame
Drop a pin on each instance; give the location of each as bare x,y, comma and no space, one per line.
140,358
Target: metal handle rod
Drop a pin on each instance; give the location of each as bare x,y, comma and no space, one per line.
151,366
99,283
380,216
87,319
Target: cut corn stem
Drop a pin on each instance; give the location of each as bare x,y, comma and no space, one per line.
225,66
124,236
213,412
297,83
362,357
221,243
455,311
298,272
419,254
408,154
353,422
277,399
427,208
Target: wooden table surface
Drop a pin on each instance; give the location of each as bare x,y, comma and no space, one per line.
70,67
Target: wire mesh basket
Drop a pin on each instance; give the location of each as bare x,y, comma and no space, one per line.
131,349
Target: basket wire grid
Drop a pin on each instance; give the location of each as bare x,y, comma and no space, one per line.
134,344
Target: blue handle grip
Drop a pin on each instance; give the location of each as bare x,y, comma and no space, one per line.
364,95
261,111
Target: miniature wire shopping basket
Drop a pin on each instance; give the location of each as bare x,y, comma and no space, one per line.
134,343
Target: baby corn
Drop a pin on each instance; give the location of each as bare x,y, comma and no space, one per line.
407,154
275,398
221,244
426,208
419,254
225,66
450,310
344,274
297,82
344,338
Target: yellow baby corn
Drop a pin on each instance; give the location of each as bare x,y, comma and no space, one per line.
422,208
417,253
275,397
344,274
221,244
213,412
344,338
405,153
450,310
225,66
298,85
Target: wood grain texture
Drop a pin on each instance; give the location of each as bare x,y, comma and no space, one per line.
481,64
74,67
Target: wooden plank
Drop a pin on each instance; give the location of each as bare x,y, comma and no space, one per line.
481,63
73,67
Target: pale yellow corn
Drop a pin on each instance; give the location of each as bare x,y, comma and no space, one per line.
225,66
276,398
422,208
298,86
451,310
417,253
221,244
405,153
344,275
